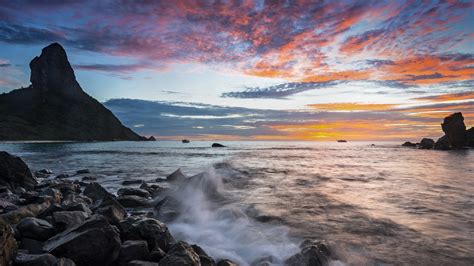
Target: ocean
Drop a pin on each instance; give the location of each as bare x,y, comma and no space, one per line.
374,203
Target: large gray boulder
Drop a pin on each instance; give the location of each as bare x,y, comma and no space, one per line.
132,250
455,129
181,253
95,242
153,231
15,173
35,228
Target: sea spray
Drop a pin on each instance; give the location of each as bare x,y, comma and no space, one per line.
211,219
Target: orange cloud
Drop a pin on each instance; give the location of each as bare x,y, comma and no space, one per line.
469,95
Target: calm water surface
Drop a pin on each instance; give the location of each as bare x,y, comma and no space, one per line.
374,205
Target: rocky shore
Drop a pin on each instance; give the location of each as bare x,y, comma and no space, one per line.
56,220
455,136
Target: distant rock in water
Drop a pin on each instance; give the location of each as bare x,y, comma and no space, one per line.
185,141
455,130
470,137
341,140
409,144
217,145
426,143
54,106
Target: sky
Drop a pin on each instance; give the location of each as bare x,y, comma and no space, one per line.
257,70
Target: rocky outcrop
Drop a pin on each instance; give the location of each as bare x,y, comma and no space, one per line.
409,144
217,145
470,137
426,143
176,176
14,172
455,130
54,106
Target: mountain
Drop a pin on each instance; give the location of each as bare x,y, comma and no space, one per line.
54,106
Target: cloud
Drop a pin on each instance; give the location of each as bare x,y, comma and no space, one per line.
467,95
125,68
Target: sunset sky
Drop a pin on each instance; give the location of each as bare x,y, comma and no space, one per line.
276,70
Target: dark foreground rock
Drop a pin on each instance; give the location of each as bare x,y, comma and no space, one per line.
35,228
176,176
15,173
24,259
181,253
455,130
313,253
95,242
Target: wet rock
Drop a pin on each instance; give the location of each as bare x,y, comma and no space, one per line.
132,250
226,263
89,178
83,171
312,253
55,194
176,176
95,242
156,254
35,228
153,231
168,209
64,262
217,145
133,191
205,259
50,210
442,143
96,192
62,176
154,190
6,206
142,263
30,210
409,144
8,244
33,246
24,259
455,129
426,143
67,219
265,261
132,182
112,210
43,173
15,173
132,201
180,253
78,207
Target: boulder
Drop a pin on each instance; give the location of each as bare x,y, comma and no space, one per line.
426,143
217,145
205,259
313,253
35,228
133,201
64,262
442,143
8,245
409,144
133,191
96,192
30,210
132,250
31,245
455,130
95,242
470,137
55,194
154,190
153,231
24,259
176,176
67,219
180,253
15,173
142,263
112,210
226,263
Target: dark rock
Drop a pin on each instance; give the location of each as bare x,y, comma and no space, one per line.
156,254
14,172
64,262
132,182
205,259
180,253
454,128
62,176
168,209
96,192
112,210
67,219
153,231
78,207
30,210
470,137
426,143
154,190
35,228
55,194
217,145
24,259
442,143
8,245
151,138
89,178
33,246
176,176
55,107
226,263
83,171
6,206
342,140
312,253
133,191
95,242
185,141
142,263
265,261
50,210
133,250
43,173
132,201
409,144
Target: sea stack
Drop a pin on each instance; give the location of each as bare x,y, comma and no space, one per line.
54,106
